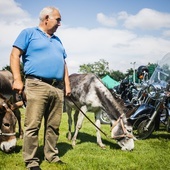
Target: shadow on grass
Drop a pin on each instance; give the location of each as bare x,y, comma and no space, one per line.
18,149
84,137
160,135
64,147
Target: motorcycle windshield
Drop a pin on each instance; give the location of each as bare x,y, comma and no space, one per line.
161,74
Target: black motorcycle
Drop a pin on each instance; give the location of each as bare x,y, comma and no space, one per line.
126,90
132,93
140,95
156,108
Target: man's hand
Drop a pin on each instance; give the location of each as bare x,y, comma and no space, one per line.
18,86
67,90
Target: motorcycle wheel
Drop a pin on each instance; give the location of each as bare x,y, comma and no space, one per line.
104,118
139,129
168,125
164,116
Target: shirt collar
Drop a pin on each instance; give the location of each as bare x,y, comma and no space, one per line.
44,32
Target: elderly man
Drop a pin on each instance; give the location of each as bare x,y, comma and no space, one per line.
47,80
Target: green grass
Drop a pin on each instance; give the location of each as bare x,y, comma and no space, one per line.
153,153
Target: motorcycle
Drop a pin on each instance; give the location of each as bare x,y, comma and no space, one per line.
132,93
141,94
126,91
156,108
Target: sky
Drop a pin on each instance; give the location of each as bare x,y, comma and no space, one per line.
125,33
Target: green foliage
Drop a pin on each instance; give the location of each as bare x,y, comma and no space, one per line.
151,68
152,153
100,68
117,75
21,68
129,72
7,68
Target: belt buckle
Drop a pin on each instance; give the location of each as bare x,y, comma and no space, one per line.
39,78
53,82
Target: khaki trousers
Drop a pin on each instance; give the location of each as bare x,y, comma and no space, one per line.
43,100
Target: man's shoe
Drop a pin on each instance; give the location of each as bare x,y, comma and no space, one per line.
60,162
35,168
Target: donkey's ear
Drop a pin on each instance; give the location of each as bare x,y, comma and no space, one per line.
3,107
2,97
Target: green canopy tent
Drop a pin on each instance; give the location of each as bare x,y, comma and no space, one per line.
109,82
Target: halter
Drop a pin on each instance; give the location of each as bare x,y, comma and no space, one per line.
125,133
6,134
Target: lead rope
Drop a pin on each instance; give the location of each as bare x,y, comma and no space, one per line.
87,116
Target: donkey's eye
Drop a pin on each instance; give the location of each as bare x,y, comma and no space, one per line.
129,130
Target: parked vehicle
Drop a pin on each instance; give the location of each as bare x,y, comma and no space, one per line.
132,93
140,95
126,90
156,108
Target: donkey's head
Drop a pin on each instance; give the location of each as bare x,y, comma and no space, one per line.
7,126
122,132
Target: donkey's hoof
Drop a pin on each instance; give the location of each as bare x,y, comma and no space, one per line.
73,143
69,136
102,145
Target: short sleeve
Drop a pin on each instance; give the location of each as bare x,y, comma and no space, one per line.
22,40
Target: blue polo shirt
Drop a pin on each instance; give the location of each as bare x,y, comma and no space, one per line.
43,56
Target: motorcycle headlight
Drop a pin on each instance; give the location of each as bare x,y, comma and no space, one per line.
151,91
154,91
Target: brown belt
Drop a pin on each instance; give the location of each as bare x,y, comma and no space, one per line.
52,82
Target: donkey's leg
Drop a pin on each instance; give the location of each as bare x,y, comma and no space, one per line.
69,110
98,135
79,124
75,119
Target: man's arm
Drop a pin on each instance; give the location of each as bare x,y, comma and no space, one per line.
15,67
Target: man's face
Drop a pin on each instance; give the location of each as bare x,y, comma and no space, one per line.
53,22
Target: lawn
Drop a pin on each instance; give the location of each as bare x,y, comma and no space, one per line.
152,153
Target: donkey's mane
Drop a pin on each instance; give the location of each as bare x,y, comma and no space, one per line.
110,106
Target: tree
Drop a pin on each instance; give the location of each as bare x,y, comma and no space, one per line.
151,68
117,75
99,68
21,68
129,72
7,68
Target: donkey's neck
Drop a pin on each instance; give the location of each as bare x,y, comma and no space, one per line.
109,104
